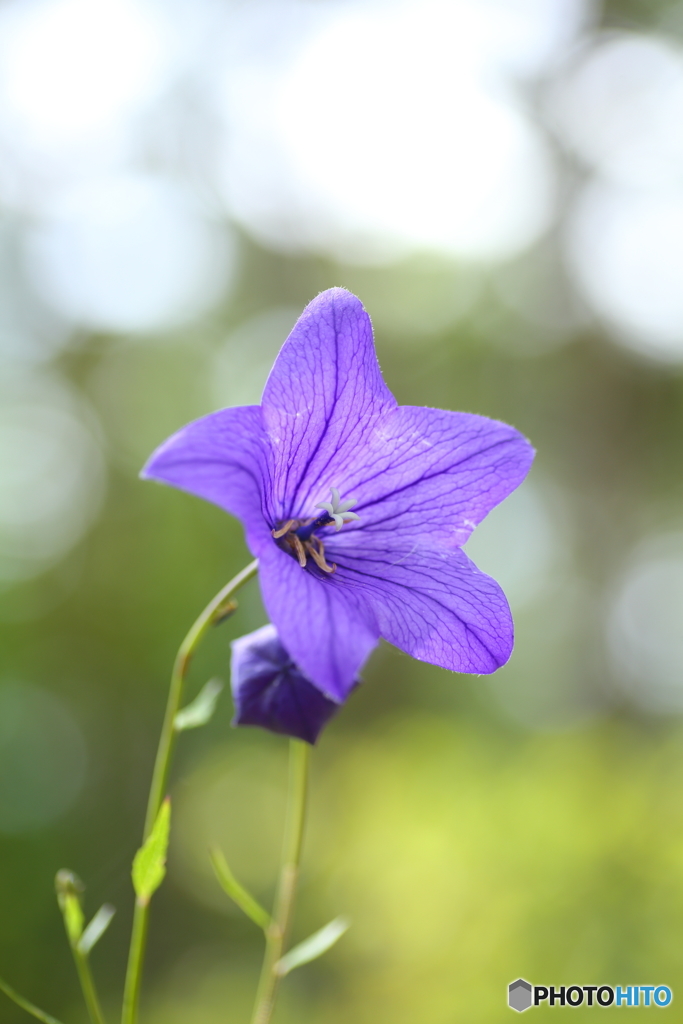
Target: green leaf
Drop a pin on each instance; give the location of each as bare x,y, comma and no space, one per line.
201,709
69,887
149,865
313,947
244,900
96,929
25,1005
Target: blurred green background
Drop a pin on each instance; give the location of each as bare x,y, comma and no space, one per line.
474,829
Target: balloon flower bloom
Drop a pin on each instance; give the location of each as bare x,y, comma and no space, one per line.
356,508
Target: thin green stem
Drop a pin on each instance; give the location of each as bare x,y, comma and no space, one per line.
88,987
215,612
277,934
25,1005
136,959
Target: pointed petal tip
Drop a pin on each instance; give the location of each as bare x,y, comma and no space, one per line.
147,473
150,470
339,298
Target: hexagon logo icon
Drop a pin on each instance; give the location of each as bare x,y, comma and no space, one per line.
519,995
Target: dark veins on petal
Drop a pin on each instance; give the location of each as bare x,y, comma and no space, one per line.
421,480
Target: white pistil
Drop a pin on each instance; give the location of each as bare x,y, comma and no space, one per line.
338,510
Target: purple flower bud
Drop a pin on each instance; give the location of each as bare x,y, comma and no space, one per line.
270,690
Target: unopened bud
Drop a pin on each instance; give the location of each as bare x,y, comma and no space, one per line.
69,887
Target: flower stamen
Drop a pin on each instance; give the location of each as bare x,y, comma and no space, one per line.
300,537
318,556
300,552
284,529
301,549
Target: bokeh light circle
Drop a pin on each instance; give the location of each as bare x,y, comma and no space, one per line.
389,129
620,107
625,252
51,474
127,253
644,634
419,149
70,65
75,78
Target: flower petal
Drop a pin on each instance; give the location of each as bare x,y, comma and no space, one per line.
224,458
328,629
322,401
433,603
435,474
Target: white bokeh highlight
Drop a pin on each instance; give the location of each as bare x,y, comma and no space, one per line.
69,65
382,129
419,150
129,253
30,333
51,474
620,107
645,627
625,252
75,75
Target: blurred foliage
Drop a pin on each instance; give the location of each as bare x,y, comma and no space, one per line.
474,830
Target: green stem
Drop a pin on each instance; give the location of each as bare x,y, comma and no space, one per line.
276,936
214,612
88,987
25,1005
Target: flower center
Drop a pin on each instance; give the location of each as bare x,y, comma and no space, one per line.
300,535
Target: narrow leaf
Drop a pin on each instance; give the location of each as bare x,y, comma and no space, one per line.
149,865
244,900
25,1005
96,929
313,947
200,710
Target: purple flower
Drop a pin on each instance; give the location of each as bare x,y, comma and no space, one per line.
271,691
329,432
